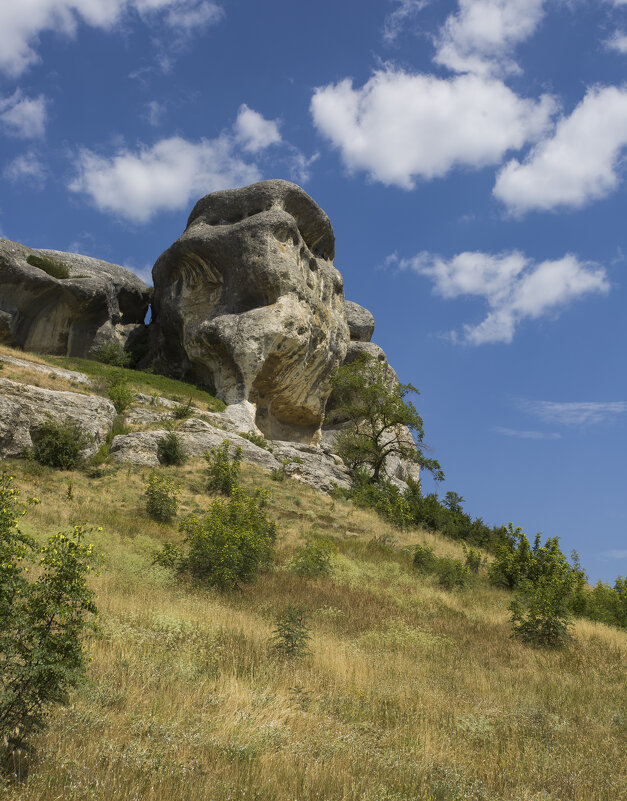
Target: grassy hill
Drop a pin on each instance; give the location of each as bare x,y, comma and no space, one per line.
410,692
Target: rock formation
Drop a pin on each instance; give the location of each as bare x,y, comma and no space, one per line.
248,301
23,408
66,304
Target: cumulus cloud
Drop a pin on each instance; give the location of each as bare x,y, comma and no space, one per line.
514,287
618,42
253,132
27,167
139,184
518,434
399,126
575,413
22,22
164,177
24,117
578,163
396,21
480,37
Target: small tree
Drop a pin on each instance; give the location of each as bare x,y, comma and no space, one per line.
290,638
161,497
60,444
222,473
229,547
379,418
42,620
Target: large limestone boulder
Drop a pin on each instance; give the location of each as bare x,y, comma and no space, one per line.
23,408
66,304
248,301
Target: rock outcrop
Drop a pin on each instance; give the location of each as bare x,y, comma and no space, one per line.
66,304
23,408
248,301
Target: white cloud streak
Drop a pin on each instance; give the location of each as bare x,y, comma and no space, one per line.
27,167
533,435
514,287
396,21
253,132
24,117
575,413
21,23
614,553
578,163
480,37
400,127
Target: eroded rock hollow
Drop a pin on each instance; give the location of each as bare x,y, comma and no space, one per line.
66,304
248,301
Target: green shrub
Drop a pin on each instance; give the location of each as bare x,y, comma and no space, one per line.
424,559
222,474
42,622
233,542
290,638
169,556
170,450
257,439
119,392
183,410
313,560
113,353
54,268
452,574
59,444
608,604
161,497
541,613
473,559
384,497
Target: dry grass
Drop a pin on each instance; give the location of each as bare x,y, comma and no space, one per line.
410,692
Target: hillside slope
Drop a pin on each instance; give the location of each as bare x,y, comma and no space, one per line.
410,692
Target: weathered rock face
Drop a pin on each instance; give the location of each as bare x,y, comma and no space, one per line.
97,302
248,301
23,408
360,322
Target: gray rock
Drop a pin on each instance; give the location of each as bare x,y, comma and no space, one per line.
248,301
360,322
309,465
23,408
97,302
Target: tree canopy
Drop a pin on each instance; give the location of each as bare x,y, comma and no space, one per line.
380,421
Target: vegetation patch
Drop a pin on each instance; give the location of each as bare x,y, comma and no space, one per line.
54,268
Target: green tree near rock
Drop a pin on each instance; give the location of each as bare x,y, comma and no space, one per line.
378,417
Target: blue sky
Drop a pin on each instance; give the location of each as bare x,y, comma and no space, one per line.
471,157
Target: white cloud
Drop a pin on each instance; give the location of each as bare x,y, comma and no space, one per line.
27,167
579,163
300,165
163,177
253,132
514,287
400,126
155,111
24,117
575,413
618,42
614,553
22,22
517,433
480,37
395,21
